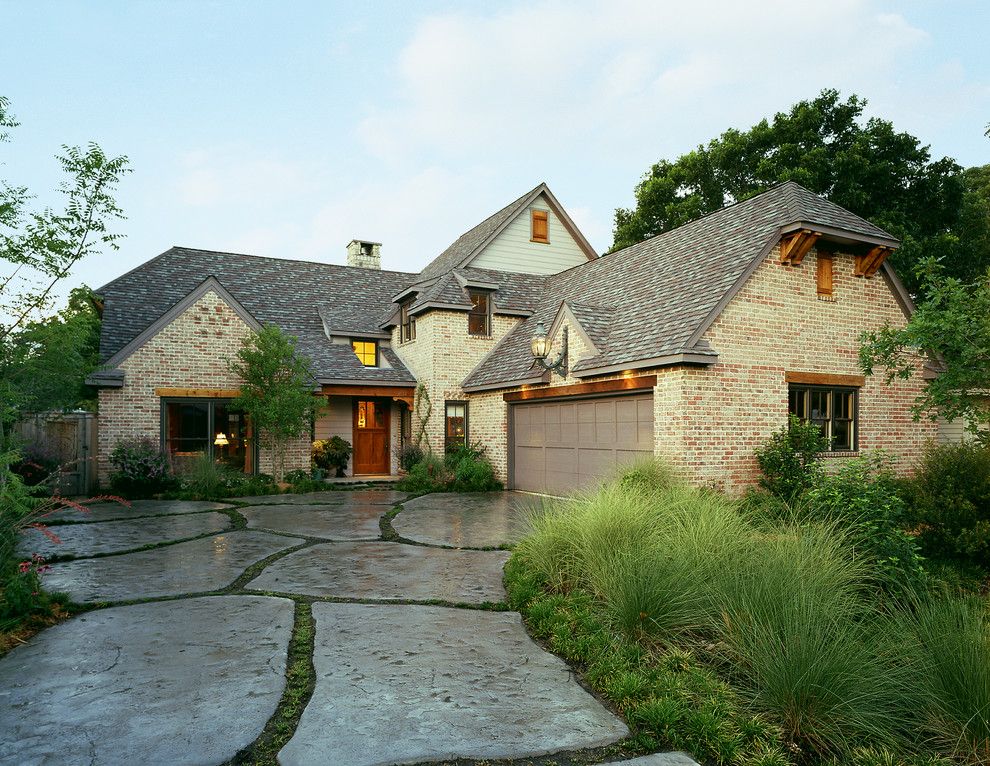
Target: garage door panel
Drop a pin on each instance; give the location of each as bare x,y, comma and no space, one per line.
559,447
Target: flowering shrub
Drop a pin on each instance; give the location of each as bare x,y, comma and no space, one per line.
140,469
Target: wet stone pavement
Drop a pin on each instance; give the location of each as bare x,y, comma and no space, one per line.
408,667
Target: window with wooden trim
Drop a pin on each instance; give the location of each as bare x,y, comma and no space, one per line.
824,261
834,409
540,228
455,424
407,323
480,315
366,351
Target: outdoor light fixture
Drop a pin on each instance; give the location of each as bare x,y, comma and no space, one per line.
540,346
221,440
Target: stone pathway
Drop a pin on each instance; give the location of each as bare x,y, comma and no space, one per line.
195,678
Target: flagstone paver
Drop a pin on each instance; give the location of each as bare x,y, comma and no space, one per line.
403,684
176,682
657,759
340,497
466,520
339,522
197,566
387,571
109,511
114,536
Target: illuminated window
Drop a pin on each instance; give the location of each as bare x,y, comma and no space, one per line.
833,410
480,316
456,424
540,230
366,351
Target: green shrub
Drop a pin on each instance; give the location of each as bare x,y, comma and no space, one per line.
789,461
332,454
410,455
950,500
140,469
649,475
209,480
465,469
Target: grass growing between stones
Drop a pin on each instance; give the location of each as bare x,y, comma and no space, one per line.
745,643
300,680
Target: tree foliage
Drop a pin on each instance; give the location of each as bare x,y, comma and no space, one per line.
276,390
952,327
883,175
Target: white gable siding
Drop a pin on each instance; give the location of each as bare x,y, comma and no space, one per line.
512,251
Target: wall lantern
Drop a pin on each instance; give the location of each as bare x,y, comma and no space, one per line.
540,346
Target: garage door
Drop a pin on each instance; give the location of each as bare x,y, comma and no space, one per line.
558,447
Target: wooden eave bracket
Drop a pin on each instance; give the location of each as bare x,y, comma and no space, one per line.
868,264
793,247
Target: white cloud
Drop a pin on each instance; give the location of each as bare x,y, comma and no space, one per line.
237,174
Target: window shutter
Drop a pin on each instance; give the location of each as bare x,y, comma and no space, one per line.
824,275
540,229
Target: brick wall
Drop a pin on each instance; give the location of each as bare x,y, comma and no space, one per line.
190,352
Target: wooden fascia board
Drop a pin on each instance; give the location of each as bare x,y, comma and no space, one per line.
618,385
198,393
370,390
825,379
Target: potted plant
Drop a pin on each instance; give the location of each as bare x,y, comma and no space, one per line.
332,454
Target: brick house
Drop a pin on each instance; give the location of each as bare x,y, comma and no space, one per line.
692,346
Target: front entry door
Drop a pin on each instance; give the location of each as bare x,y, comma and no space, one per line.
371,427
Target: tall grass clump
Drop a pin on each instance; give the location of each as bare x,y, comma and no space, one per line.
949,643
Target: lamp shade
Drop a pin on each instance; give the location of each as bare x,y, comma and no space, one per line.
221,440
540,345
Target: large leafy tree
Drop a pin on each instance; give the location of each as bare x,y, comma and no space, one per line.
826,145
38,249
277,390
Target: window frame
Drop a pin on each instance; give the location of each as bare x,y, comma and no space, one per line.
452,441
372,341
486,315
543,215
830,391
407,322
211,403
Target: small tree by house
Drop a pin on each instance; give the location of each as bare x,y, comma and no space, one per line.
276,392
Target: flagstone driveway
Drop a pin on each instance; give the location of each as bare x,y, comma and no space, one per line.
414,658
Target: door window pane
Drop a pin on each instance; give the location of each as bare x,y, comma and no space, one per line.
230,426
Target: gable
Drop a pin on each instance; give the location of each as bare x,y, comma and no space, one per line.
513,249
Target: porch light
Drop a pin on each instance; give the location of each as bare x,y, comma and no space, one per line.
221,440
540,346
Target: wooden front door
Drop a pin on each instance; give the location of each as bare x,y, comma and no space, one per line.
371,429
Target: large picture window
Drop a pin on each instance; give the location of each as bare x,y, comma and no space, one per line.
455,424
835,410
197,429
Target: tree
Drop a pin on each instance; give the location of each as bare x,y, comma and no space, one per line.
952,327
277,390
868,167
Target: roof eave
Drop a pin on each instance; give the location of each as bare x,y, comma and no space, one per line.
505,384
842,236
666,360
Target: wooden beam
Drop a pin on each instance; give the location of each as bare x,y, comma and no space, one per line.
398,392
794,247
615,386
198,393
867,265
825,379
409,401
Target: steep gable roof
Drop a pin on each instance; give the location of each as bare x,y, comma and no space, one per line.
665,291
464,249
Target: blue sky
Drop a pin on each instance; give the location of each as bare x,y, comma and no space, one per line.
287,129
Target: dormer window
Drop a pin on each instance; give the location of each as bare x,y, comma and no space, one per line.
407,323
366,351
480,316
540,230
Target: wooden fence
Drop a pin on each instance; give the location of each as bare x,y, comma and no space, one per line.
70,438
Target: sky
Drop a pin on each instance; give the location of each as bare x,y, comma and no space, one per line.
288,129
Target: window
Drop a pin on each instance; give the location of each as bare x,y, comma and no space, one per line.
824,276
540,230
455,424
480,316
407,323
366,351
834,410
193,429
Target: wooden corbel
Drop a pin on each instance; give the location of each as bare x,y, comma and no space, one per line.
868,264
793,247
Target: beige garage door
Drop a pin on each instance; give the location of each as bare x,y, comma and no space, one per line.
558,447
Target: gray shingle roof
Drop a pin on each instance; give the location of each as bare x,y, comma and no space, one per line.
289,294
662,291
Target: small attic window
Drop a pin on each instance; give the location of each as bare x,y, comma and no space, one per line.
366,351
480,316
540,231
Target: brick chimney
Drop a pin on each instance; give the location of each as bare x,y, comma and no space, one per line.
364,255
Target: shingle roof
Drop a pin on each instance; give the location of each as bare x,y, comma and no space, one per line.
289,294
663,290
